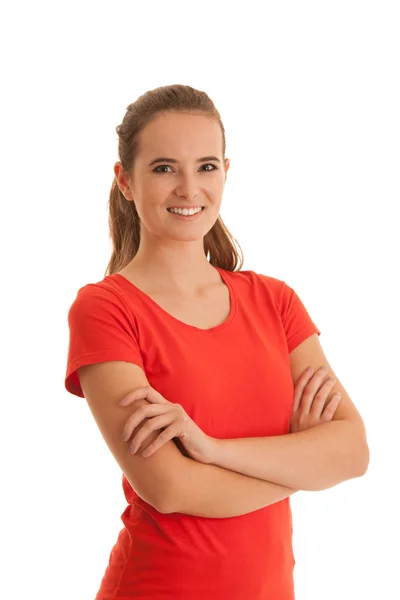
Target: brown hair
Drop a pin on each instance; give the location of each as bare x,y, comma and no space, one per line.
123,220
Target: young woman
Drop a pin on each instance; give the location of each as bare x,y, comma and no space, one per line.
216,371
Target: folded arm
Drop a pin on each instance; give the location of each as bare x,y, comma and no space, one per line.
204,490
314,459
167,480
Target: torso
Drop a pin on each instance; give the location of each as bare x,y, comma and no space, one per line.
207,310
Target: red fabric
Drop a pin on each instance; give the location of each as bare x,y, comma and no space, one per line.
234,380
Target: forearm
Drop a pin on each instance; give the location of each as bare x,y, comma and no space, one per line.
313,459
214,492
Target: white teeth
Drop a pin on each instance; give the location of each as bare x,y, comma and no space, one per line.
185,211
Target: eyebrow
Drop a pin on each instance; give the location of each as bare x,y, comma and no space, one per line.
173,160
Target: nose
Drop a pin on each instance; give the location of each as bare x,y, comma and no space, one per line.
187,186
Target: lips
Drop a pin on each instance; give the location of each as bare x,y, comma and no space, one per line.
169,209
187,207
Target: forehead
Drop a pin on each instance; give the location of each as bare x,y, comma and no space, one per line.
180,135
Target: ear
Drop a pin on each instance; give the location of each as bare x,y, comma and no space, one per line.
122,181
227,164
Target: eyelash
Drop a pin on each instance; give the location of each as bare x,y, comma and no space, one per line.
206,164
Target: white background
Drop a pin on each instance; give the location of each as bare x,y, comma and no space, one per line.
309,96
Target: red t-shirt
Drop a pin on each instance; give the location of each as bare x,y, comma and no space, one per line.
234,381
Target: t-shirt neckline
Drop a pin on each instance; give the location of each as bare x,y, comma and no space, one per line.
225,278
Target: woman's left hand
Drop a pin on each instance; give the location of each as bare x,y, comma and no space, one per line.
172,417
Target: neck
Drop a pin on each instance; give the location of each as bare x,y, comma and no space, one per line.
184,277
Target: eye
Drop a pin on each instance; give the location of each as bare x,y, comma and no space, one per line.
160,167
214,167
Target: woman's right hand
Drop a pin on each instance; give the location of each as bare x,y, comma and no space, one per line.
309,406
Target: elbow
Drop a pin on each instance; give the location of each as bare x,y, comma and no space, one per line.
363,455
160,504
363,460
164,510
358,456
163,502
359,464
350,469
166,507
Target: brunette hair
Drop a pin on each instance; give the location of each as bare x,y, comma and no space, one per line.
123,220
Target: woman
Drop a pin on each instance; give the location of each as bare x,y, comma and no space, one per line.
180,352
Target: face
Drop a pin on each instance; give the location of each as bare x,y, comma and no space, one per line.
181,179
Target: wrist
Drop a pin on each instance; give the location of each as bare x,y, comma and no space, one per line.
215,448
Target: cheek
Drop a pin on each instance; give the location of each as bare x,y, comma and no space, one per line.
153,194
216,192
152,208
158,193
218,186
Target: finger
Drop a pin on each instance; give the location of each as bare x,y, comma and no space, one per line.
331,408
321,396
164,437
130,397
144,412
311,389
151,425
301,384
147,392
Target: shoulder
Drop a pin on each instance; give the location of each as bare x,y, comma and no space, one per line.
99,296
254,282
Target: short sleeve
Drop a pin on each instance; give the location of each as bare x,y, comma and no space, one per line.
296,320
100,330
